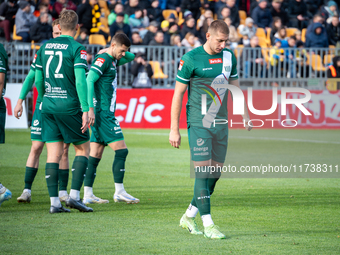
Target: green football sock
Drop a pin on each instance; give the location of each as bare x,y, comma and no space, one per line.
91,171
51,175
63,178
201,192
78,172
118,166
212,181
30,174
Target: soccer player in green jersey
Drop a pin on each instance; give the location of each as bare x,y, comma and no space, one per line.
106,129
61,84
3,80
208,143
32,163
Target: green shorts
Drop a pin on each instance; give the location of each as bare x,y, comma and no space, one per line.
36,125
106,128
208,143
65,128
2,119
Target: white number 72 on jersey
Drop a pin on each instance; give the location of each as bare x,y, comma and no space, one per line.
51,53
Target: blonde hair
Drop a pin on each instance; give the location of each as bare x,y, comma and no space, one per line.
55,22
68,20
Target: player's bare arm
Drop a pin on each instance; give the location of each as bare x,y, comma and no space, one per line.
2,83
246,114
176,107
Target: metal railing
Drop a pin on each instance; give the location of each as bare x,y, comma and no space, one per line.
283,68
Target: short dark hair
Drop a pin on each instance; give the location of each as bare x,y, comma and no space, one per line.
121,39
218,26
84,30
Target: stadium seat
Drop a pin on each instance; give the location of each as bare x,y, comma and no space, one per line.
265,53
243,16
77,34
103,4
97,39
166,13
263,42
261,33
180,19
268,36
303,34
238,50
327,59
157,70
317,63
15,36
104,27
290,31
34,46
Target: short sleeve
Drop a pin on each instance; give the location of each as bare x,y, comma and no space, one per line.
38,61
99,64
185,69
233,74
80,58
3,65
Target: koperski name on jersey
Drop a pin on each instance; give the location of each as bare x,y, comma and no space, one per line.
56,46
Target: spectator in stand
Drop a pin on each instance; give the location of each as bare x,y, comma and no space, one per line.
282,36
262,16
204,29
133,5
253,5
189,26
138,20
112,16
175,40
172,18
157,53
142,72
333,31
277,11
61,5
84,12
83,37
291,57
8,11
190,41
329,10
316,19
277,24
173,5
24,20
316,38
297,35
313,6
219,4
334,70
41,31
252,59
43,8
207,14
165,28
276,59
233,35
247,31
155,12
119,25
111,4
151,33
235,17
136,40
193,6
173,29
225,13
298,16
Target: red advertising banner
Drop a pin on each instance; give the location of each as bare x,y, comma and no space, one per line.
150,108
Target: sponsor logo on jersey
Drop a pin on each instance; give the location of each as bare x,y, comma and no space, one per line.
200,142
227,68
35,58
99,62
208,68
36,123
181,63
215,61
83,54
114,64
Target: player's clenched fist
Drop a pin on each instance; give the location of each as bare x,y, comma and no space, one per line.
175,138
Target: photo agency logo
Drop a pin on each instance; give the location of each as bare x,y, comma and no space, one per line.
212,100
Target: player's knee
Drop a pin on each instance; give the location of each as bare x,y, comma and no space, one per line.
122,153
37,148
65,151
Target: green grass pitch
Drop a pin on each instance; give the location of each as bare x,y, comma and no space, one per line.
259,216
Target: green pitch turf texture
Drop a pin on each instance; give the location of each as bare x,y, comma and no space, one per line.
259,216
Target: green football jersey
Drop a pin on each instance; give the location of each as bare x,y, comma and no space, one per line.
3,69
105,88
57,59
203,72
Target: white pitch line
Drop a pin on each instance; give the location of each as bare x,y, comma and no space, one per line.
245,137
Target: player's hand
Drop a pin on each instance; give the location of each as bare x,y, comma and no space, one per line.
175,138
103,51
18,110
248,124
92,117
85,122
